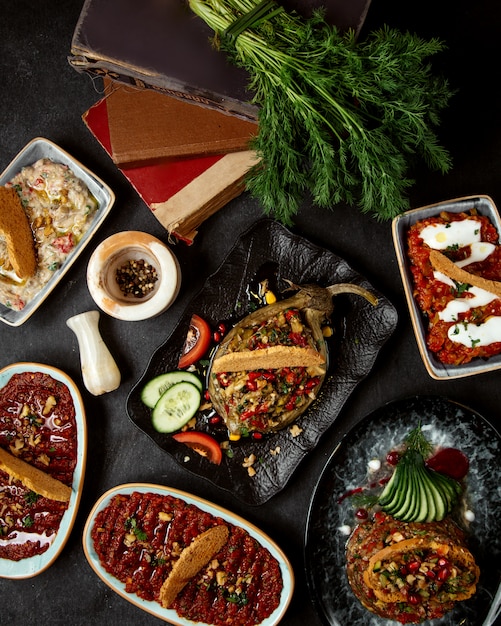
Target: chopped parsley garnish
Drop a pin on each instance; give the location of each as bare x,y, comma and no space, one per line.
131,524
238,598
462,287
31,497
28,521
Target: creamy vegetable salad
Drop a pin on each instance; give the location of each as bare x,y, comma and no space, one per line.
60,209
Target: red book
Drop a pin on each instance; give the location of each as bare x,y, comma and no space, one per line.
183,192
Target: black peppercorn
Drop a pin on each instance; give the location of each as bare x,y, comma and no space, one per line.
136,278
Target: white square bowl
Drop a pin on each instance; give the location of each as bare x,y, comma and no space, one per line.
400,226
36,149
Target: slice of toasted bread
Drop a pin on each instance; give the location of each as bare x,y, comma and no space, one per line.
443,264
33,478
193,558
275,357
15,227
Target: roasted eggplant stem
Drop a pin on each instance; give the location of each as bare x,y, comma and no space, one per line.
334,290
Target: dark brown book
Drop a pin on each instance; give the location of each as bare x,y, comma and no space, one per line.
164,46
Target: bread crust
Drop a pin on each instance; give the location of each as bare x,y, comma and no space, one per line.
443,264
16,229
275,357
33,478
193,558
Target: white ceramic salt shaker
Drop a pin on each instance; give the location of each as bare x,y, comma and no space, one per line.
99,371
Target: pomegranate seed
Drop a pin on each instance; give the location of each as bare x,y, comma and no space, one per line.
393,457
414,566
257,436
414,598
361,514
214,420
443,574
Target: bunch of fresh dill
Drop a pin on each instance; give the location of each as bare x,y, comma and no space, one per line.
339,118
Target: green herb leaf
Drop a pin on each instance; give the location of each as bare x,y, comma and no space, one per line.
131,524
28,521
31,497
417,442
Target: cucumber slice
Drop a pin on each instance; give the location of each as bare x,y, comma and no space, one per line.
391,492
405,503
440,502
157,386
422,509
176,407
449,489
413,496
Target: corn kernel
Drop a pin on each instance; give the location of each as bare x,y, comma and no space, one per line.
327,331
234,437
270,297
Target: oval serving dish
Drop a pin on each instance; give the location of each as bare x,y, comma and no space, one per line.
32,566
400,227
155,608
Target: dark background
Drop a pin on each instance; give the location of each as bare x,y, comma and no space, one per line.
42,96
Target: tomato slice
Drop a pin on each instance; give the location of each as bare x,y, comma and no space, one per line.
202,443
197,342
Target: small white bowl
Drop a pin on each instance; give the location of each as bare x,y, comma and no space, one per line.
113,253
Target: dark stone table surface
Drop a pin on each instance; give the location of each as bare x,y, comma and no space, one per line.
42,96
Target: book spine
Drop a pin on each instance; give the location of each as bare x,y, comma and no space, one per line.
162,84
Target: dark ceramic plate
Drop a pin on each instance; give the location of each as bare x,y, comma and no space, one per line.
361,331
447,424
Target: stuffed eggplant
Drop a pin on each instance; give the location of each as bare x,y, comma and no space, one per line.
270,366
410,572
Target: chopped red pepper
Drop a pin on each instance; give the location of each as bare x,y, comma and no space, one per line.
65,243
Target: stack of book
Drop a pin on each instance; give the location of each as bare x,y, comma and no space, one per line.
176,117
185,161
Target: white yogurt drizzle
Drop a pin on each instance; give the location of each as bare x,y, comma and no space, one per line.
20,538
459,234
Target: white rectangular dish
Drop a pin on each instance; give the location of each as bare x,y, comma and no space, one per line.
400,227
37,149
